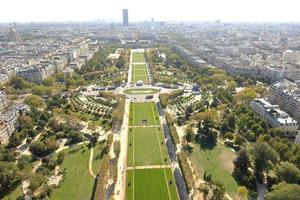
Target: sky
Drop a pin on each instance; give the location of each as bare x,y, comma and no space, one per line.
141,10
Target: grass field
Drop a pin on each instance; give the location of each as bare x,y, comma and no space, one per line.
139,72
138,57
141,91
150,184
218,162
143,114
78,183
145,147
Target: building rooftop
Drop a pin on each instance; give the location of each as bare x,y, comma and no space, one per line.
274,111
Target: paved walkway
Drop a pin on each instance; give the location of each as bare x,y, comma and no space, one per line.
122,162
91,163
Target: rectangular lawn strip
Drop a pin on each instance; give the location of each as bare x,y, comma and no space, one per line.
143,114
77,183
149,184
142,78
146,145
138,57
218,162
138,66
139,72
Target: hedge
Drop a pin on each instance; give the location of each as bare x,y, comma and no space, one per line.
173,131
186,170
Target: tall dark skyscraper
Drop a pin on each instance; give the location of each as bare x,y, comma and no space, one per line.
125,17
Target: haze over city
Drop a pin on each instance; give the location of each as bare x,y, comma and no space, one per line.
167,10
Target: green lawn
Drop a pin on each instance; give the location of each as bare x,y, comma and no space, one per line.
141,91
139,72
218,162
139,67
138,57
78,182
140,78
143,114
145,148
151,184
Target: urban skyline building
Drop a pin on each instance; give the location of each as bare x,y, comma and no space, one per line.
125,17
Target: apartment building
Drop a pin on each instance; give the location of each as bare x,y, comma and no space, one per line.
275,117
3,78
36,74
8,123
286,94
3,100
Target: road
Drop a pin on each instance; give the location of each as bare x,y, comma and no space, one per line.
91,163
122,162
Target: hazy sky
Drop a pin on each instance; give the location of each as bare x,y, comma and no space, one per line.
140,10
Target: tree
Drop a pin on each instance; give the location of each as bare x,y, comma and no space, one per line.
238,140
35,101
94,139
20,83
14,140
284,191
231,85
241,171
242,193
207,135
49,81
264,155
187,148
60,157
276,132
25,121
35,181
287,172
9,175
189,134
75,137
44,148
218,190
231,121
204,189
245,96
188,111
224,127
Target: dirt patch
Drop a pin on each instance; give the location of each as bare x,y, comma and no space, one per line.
226,158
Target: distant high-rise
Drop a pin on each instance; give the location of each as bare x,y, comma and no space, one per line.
125,17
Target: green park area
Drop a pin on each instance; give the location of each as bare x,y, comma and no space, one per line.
139,72
149,184
138,57
78,182
146,146
217,162
143,114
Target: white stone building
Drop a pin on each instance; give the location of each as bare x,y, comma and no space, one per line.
275,117
286,94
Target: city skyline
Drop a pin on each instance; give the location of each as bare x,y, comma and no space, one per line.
190,10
